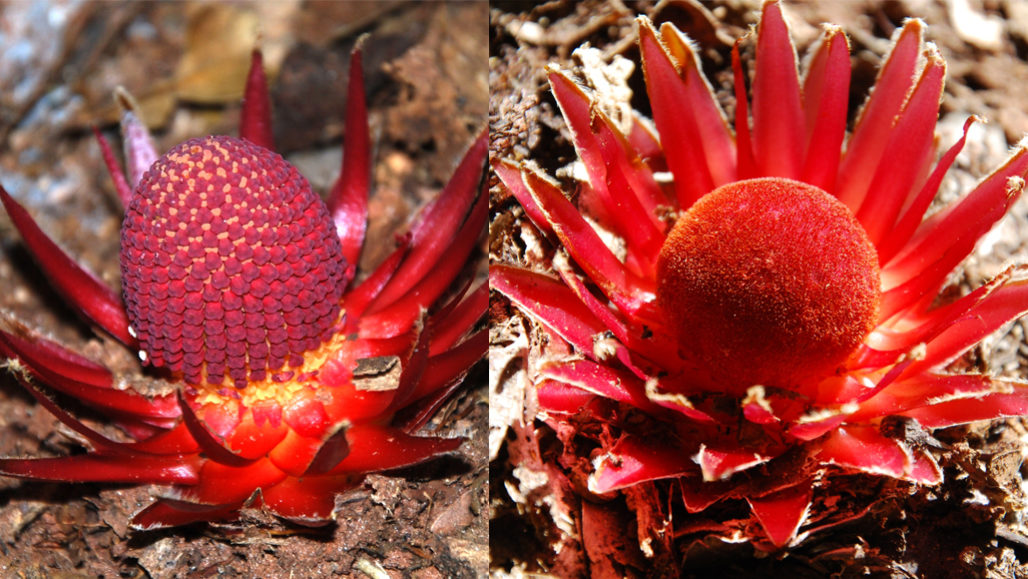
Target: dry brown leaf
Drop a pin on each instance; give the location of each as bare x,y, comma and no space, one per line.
219,41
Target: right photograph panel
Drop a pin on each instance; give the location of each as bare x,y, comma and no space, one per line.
758,274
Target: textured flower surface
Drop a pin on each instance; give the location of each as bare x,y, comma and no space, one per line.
745,310
283,377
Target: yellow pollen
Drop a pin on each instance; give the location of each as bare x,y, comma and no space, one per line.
268,389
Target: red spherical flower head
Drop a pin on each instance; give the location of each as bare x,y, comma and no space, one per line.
231,263
768,281
768,339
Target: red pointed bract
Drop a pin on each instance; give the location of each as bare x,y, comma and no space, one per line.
140,152
679,79
107,468
624,187
782,512
600,380
255,119
208,441
909,149
440,379
449,327
826,100
310,502
83,379
348,200
375,448
362,296
551,302
428,243
934,244
914,213
510,173
121,184
90,296
865,147
383,321
630,462
167,512
746,164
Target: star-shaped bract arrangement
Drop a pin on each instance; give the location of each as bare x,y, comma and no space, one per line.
760,317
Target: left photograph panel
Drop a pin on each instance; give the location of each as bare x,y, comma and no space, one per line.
243,288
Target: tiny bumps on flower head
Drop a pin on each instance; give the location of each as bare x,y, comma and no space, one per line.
230,262
769,280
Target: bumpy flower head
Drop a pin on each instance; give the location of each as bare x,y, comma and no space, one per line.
231,263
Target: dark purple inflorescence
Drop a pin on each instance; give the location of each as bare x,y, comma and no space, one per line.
231,263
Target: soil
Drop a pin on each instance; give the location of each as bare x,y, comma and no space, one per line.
60,61
971,526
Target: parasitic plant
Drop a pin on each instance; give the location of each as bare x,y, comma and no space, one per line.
745,310
278,377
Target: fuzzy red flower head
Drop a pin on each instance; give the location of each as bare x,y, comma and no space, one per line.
741,310
284,383
230,262
769,281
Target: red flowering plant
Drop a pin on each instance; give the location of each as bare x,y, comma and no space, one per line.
276,374
743,311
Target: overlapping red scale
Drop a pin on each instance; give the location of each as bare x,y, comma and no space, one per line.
826,104
782,512
865,146
779,134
